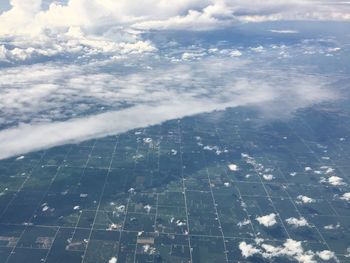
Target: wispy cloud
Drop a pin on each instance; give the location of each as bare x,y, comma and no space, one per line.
284,31
53,99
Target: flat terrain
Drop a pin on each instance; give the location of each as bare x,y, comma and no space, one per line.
187,190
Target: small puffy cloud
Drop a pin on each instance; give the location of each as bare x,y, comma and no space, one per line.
346,197
267,220
327,170
248,250
258,49
331,226
233,167
305,199
297,222
191,55
326,255
244,223
235,53
307,169
291,249
113,260
336,180
268,177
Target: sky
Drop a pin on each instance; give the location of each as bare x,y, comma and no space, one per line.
80,69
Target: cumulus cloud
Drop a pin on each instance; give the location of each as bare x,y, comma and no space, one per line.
336,180
326,255
305,199
267,220
292,249
268,177
331,226
235,53
74,43
211,17
345,196
233,167
113,260
297,222
85,28
248,250
94,15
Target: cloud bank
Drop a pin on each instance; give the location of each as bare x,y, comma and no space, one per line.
26,138
108,27
93,15
64,104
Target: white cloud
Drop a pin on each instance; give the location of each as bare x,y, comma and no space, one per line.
211,17
244,223
285,31
267,220
91,27
72,44
235,53
326,255
336,180
26,17
331,227
327,169
345,196
290,248
191,55
93,15
297,222
272,10
45,95
305,199
258,49
233,167
27,138
113,260
248,250
268,177
307,169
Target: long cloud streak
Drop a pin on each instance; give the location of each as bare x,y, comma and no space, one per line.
28,138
